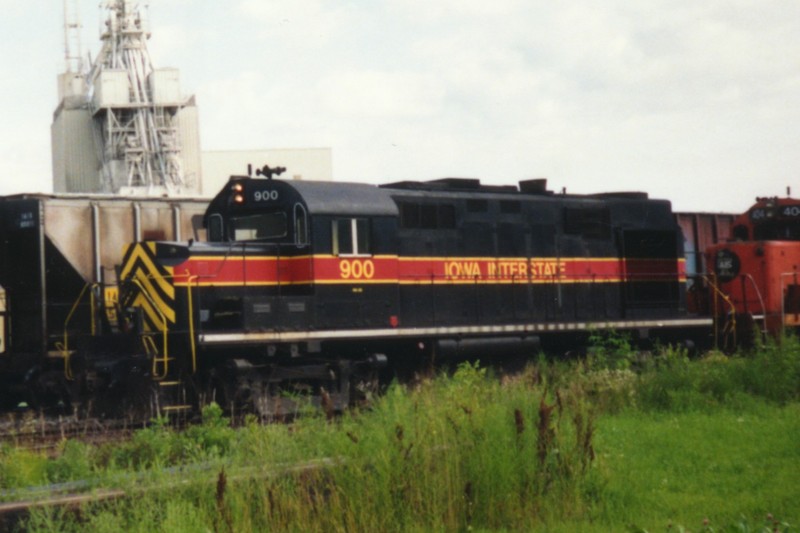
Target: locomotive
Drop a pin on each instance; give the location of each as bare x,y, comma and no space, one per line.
324,283
312,288
757,287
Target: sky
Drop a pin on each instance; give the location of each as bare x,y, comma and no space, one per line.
695,102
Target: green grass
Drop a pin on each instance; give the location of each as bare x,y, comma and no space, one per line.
615,443
665,468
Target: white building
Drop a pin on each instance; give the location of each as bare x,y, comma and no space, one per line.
124,127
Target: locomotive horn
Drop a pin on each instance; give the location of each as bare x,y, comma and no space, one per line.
269,172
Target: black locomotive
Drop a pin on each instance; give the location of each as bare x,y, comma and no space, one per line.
304,287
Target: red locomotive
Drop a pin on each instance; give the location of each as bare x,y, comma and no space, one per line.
754,276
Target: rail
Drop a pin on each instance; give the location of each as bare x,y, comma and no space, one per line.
72,495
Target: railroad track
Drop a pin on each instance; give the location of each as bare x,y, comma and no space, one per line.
16,504
38,432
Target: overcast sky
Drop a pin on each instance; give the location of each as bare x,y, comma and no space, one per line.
694,101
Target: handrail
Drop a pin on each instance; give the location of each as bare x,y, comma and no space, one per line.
190,280
760,301
165,343
64,347
712,283
149,345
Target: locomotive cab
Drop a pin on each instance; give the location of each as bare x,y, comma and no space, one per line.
757,269
257,211
300,246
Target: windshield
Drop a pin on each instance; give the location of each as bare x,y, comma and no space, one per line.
260,226
777,230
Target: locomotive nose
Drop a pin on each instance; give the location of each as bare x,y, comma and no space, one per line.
726,265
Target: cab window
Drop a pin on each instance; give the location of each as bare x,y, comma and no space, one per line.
350,236
215,233
300,225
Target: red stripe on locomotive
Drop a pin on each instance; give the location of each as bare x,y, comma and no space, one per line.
323,269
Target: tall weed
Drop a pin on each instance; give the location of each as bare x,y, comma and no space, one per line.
450,453
468,451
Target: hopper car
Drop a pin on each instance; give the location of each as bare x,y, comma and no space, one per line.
58,277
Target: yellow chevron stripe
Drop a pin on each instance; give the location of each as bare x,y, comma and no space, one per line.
143,303
147,286
126,268
139,254
149,277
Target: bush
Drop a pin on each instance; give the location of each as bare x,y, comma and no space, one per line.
610,350
773,371
673,382
75,461
21,468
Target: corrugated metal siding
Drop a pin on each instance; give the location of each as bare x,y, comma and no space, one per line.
111,89
75,163
189,132
165,86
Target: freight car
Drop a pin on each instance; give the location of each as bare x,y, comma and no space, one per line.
319,284
755,274
57,258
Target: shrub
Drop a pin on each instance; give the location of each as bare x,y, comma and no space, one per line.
212,438
610,350
672,382
773,371
75,461
21,468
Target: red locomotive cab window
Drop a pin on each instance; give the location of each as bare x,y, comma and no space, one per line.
350,236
